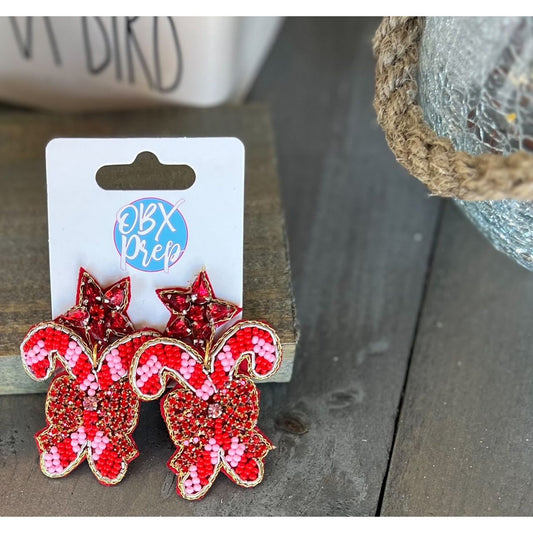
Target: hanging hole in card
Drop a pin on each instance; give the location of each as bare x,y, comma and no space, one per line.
145,173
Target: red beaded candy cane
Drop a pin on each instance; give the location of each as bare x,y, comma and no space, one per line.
91,409
211,414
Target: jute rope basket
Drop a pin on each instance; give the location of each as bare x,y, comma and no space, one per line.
432,159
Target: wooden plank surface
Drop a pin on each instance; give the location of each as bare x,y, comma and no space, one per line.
465,437
360,236
24,277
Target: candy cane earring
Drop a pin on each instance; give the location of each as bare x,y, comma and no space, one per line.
91,409
211,413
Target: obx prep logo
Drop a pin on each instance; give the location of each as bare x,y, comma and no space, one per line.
150,234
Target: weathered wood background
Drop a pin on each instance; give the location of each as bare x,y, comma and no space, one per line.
412,386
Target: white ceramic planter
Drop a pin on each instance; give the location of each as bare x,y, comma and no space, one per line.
90,63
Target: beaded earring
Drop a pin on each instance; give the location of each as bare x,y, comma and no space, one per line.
211,413
91,409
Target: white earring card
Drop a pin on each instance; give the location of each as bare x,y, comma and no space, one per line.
158,237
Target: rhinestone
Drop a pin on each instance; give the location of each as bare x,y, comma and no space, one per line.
90,403
214,410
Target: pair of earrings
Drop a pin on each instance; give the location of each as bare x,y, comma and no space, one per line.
108,367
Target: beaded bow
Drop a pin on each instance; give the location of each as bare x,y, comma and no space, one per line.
212,412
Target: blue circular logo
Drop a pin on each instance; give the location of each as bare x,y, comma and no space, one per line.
150,234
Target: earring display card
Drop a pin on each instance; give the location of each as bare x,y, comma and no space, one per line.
24,269
159,238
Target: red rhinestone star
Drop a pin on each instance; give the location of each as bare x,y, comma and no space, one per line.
99,315
196,312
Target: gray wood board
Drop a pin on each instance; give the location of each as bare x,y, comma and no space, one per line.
360,235
465,436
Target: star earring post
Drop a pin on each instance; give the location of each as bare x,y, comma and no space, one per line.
196,312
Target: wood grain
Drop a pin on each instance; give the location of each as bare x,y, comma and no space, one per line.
360,234
465,436
24,278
